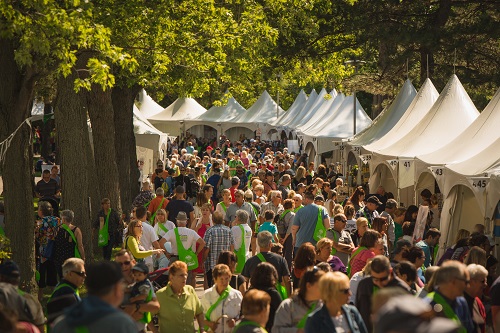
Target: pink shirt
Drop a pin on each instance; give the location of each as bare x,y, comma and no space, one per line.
360,260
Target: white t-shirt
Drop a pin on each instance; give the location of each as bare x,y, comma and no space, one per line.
169,225
147,239
189,237
236,230
341,324
350,225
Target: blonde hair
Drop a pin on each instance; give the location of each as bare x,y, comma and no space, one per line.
322,243
329,285
338,209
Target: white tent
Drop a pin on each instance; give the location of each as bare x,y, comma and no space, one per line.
327,118
259,116
388,118
339,126
384,170
220,118
479,135
323,111
418,109
172,118
454,110
147,105
296,107
308,111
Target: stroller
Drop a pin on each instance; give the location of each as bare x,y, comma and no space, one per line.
159,278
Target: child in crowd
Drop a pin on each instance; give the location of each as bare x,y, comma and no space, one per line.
268,225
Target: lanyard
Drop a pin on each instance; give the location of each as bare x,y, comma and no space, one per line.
302,322
447,310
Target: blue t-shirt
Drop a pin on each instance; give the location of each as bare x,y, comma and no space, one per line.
268,226
306,219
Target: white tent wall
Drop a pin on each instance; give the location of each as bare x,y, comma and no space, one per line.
319,113
479,135
461,210
382,176
234,133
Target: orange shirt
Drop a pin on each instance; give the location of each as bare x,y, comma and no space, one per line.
155,204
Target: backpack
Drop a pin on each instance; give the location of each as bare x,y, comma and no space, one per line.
159,181
281,224
195,187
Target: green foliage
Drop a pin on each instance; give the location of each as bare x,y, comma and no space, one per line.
5,251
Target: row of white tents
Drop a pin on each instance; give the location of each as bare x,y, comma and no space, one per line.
422,139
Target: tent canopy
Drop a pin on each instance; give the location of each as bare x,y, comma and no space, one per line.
477,137
322,112
262,111
223,113
183,108
147,105
308,111
418,109
388,118
453,110
296,107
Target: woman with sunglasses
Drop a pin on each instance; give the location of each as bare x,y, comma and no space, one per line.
335,315
133,242
292,313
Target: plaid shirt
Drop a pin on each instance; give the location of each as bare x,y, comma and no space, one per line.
218,238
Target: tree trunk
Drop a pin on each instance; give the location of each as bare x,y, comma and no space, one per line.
74,145
16,98
100,110
126,155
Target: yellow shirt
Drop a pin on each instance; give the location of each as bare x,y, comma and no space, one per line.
177,313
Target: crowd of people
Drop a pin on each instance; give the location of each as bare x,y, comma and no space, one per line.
276,243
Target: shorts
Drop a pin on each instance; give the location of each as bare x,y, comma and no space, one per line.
48,274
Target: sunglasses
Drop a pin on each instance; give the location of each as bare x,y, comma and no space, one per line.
138,226
81,274
126,263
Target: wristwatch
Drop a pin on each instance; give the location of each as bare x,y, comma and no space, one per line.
137,306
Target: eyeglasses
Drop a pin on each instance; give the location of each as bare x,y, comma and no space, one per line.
138,226
342,220
465,280
81,274
125,263
382,279
345,291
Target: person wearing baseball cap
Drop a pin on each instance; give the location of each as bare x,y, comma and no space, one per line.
369,211
189,240
27,306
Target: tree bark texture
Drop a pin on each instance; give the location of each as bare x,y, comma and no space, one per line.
100,109
73,132
16,97
126,155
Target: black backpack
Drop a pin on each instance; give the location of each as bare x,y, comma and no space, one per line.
158,181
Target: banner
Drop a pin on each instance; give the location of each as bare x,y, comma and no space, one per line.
293,146
479,183
393,164
406,173
437,171
423,213
356,149
365,158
